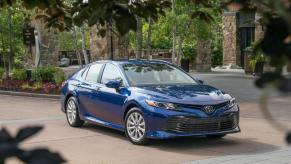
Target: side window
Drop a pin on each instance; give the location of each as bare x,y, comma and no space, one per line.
93,73
111,72
84,74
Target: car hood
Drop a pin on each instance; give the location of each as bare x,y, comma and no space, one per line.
190,94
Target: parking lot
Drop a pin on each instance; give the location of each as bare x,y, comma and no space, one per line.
95,144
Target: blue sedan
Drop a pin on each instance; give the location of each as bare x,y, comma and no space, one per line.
148,100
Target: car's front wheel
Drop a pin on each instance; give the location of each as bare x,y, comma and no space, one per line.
72,113
135,127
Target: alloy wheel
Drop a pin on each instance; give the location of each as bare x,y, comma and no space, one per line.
135,126
71,111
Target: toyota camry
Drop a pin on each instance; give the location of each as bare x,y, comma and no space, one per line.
148,100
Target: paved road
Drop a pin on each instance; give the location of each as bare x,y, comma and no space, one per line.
95,144
239,85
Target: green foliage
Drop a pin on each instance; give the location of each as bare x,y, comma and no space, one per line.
1,72
19,74
189,51
121,13
43,74
59,76
11,36
216,56
66,40
48,74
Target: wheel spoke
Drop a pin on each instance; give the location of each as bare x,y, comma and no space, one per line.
135,126
71,111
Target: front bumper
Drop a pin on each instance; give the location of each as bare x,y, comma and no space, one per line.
170,124
165,134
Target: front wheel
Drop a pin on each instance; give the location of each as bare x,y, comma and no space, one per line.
72,113
135,127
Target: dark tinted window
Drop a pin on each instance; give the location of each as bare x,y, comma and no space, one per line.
111,72
93,73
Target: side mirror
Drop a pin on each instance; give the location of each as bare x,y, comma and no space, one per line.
113,84
199,81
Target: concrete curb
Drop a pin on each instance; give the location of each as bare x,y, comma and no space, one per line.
27,94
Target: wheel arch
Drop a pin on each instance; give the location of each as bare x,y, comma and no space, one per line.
130,105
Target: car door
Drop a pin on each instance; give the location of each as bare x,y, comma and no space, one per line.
88,91
111,101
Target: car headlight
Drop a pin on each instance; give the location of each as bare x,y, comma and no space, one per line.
232,103
163,105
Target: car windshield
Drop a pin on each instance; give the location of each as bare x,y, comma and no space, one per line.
155,74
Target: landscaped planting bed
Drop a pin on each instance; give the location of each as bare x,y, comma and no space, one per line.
40,80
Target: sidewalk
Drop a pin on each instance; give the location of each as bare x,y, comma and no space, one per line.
276,157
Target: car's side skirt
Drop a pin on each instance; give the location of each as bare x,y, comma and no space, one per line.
104,123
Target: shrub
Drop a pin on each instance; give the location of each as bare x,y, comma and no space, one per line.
48,74
59,76
19,74
43,74
1,72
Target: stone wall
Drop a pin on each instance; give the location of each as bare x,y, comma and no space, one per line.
48,46
203,59
231,46
99,46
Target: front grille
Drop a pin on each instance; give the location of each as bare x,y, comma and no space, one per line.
202,125
200,107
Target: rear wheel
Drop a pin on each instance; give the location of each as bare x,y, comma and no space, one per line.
135,127
72,113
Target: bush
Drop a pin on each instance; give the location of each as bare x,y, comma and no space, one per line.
43,74
48,74
19,74
189,51
59,76
2,71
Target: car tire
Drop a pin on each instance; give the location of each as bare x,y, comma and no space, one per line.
217,136
135,127
72,113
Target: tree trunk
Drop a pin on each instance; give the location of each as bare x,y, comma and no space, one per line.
139,38
10,58
181,40
109,36
174,33
76,50
84,45
4,57
149,41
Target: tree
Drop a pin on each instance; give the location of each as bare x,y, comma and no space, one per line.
122,13
139,38
11,43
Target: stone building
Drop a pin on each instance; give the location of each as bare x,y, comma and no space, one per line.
99,46
240,30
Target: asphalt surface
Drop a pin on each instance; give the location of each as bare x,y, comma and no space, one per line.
95,144
239,85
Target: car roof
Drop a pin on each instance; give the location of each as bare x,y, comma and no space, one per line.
134,61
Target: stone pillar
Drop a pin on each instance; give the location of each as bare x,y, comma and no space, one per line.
231,44
99,46
48,44
203,59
